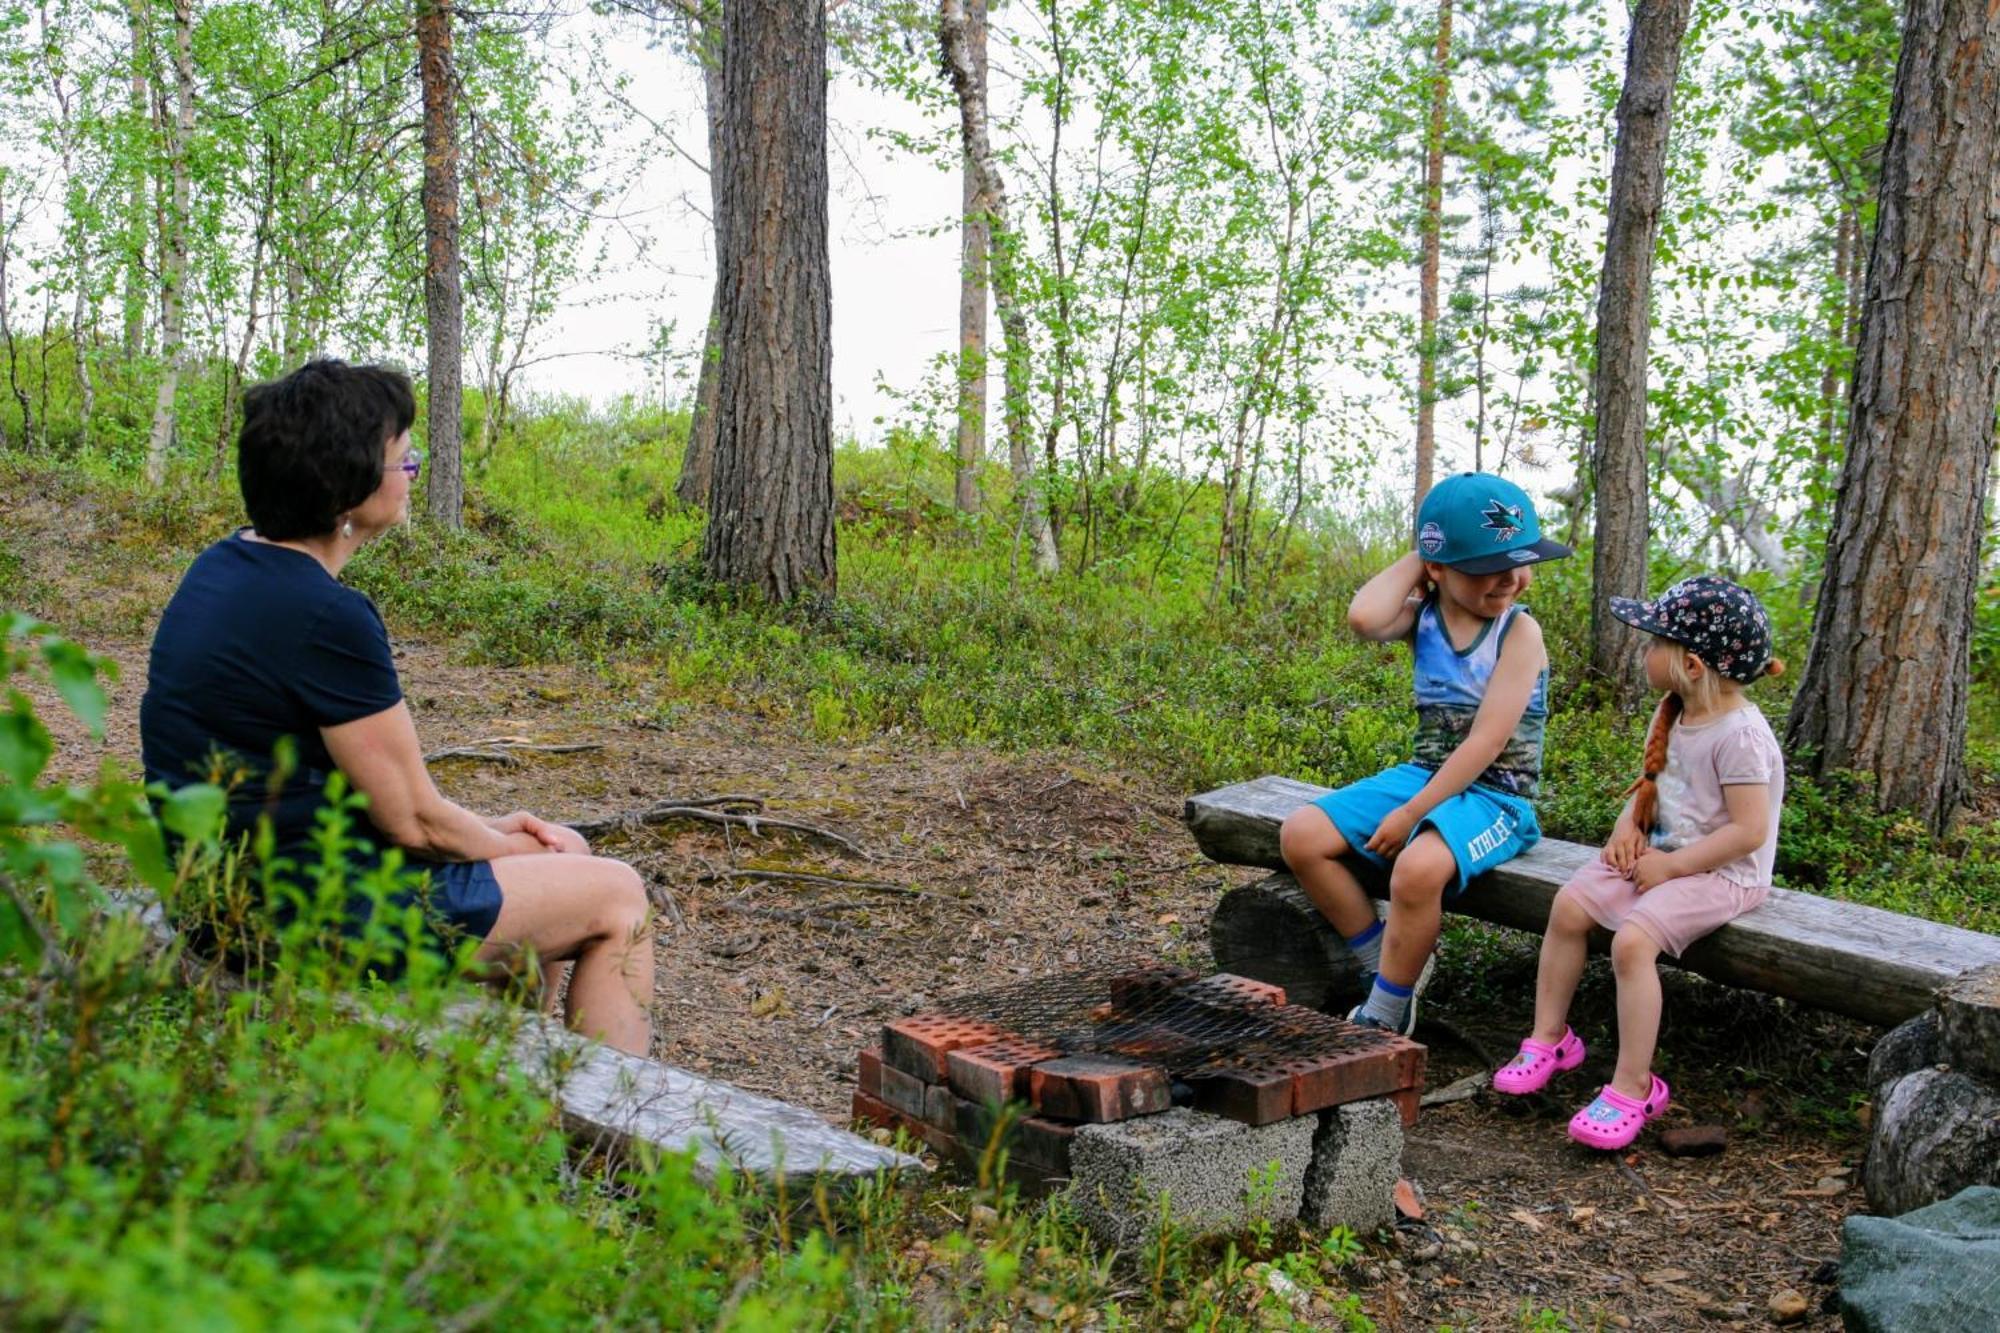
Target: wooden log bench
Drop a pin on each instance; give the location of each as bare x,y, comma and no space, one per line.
611,1102
1870,964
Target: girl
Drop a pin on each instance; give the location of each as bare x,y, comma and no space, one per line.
1691,851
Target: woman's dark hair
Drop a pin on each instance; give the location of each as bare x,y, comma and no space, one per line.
312,444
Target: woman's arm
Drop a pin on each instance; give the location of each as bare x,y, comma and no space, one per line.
1749,805
382,760
1386,606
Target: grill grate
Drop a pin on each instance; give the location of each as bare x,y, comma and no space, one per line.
1165,1016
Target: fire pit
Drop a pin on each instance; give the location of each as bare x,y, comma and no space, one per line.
1031,1067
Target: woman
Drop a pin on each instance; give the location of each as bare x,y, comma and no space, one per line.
261,642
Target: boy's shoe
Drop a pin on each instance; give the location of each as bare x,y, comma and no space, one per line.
1537,1063
1409,1024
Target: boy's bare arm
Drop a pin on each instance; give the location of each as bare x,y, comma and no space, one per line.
1386,606
1522,658
1749,805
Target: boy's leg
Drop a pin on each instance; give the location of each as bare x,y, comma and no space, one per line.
1421,874
1635,960
1312,848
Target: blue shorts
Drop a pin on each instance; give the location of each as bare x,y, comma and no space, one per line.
464,898
1481,825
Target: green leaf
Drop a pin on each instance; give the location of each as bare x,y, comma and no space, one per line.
195,812
74,672
25,745
19,940
147,851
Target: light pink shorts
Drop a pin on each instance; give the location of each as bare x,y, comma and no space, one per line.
1674,913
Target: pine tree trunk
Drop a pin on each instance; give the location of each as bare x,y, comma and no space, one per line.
1889,670
444,301
174,249
698,462
1427,285
972,286
1638,185
953,41
770,523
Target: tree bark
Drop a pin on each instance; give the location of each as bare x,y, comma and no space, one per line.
138,108
1624,300
968,83
698,461
973,234
444,301
174,250
1889,670
770,524
1427,285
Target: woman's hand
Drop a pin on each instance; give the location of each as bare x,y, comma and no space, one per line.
1625,848
1393,833
550,837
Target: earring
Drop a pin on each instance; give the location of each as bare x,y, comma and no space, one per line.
347,528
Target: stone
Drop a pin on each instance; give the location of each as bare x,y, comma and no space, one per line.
1936,1132
1693,1140
1906,1048
1788,1307
1969,1023
1215,1175
1357,1154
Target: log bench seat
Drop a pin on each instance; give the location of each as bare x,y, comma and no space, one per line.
1864,962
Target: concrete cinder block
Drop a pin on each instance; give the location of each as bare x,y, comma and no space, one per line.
1202,1164
1357,1154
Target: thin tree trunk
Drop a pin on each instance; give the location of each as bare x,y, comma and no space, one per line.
974,237
770,524
233,385
1889,671
138,107
1638,185
1427,284
174,248
698,462
28,433
1844,258
444,301
1034,524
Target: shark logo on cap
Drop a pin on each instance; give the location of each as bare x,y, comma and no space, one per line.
1504,521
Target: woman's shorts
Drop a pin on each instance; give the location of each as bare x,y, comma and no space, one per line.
1481,825
1674,913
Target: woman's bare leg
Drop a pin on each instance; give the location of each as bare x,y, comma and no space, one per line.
589,912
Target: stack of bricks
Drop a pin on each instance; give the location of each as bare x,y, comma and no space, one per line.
943,1078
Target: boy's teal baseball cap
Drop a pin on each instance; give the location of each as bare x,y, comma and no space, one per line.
1481,524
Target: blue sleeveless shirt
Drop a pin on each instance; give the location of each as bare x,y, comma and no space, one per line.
1450,687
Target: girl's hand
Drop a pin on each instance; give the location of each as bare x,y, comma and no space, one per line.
1653,868
1393,833
1624,849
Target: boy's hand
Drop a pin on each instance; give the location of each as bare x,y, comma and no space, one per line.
1624,849
1653,868
1393,832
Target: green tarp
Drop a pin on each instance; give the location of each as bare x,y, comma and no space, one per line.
1932,1270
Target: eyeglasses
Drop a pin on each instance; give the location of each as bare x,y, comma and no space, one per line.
412,463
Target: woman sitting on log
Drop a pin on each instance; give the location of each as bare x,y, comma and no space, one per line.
263,648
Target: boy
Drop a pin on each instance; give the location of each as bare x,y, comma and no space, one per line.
1462,805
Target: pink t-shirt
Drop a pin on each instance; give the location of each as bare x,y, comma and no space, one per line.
1736,748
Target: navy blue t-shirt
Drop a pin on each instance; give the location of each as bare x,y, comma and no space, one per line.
260,642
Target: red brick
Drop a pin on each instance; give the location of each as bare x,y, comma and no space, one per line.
919,1045
1045,1143
907,1095
868,1072
1226,990
1406,1103
875,1111
996,1072
1332,1080
1258,1095
939,1109
1146,983
1098,1089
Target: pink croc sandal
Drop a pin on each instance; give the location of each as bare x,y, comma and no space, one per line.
1613,1120
1538,1062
